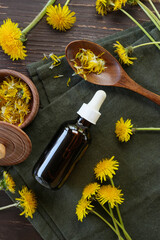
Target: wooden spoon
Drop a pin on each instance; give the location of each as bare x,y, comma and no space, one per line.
113,75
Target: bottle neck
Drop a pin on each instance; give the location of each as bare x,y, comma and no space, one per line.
83,121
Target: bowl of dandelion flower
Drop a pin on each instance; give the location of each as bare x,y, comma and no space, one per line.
19,99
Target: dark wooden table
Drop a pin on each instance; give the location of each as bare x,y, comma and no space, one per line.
43,39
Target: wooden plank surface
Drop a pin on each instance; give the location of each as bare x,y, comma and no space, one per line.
43,39
12,225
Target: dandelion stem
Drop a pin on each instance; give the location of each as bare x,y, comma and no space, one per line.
1,184
144,44
9,206
114,222
123,229
149,11
140,26
117,207
150,14
154,8
67,2
146,129
104,220
36,19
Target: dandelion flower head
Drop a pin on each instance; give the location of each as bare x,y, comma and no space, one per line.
83,208
104,6
9,183
101,7
118,4
61,18
27,201
10,40
123,130
90,190
106,167
123,54
110,194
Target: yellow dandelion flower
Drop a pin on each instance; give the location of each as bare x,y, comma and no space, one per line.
123,54
10,41
118,4
123,130
101,7
110,194
83,208
90,190
27,201
105,168
61,18
9,184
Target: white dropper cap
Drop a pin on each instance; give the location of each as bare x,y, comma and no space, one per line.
90,111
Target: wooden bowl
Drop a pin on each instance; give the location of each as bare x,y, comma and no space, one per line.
35,96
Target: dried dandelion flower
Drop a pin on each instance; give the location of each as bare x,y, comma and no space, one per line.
86,62
23,91
56,60
15,99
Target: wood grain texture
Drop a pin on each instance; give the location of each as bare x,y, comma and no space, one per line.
17,143
12,225
43,39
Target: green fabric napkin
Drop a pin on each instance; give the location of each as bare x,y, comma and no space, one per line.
138,174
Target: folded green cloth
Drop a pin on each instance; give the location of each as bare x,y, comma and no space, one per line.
138,175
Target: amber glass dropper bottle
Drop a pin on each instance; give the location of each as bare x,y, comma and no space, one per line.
68,145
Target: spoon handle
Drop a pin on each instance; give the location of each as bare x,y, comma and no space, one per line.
132,85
